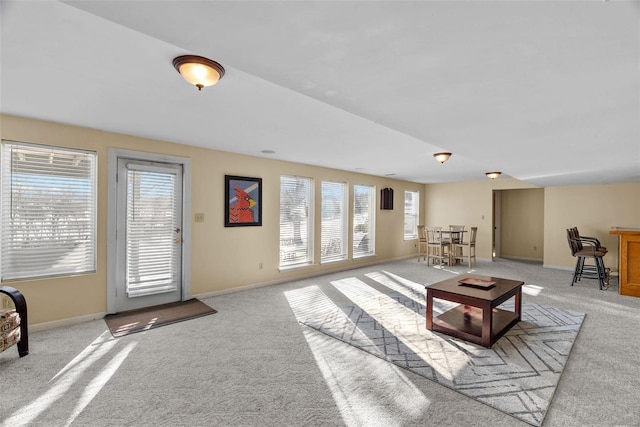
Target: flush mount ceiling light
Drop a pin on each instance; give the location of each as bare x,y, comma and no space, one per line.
493,175
198,71
442,156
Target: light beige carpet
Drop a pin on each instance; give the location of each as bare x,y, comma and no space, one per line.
254,364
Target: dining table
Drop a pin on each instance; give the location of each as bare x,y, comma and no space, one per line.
453,235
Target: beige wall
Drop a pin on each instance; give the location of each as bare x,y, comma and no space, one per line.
469,203
221,258
522,224
224,258
594,209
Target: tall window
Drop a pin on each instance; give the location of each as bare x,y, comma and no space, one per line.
296,221
364,220
411,214
334,221
47,211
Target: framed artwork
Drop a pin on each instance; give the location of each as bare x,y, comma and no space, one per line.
242,201
386,199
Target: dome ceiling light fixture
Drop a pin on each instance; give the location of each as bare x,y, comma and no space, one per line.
493,175
198,71
442,156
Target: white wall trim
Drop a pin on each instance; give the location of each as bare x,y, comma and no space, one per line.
37,327
562,267
558,267
515,258
293,279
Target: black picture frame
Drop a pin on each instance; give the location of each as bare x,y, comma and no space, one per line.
386,199
242,201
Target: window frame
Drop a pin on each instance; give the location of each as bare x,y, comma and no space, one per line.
370,230
413,213
48,181
308,235
339,232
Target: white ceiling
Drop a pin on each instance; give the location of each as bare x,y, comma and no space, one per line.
545,91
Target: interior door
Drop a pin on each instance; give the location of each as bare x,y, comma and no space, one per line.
148,234
497,220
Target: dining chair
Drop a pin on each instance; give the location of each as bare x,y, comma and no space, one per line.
422,242
437,248
467,249
456,236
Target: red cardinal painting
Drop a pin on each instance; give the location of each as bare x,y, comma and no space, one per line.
241,211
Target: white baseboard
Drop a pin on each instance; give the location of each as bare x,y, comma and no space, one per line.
557,267
65,322
89,317
562,267
515,258
36,327
302,277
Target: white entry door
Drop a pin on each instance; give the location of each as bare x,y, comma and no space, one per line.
149,234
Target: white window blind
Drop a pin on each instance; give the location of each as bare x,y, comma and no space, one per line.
153,256
296,221
48,211
411,214
364,220
334,221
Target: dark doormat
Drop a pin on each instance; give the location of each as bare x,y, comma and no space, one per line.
143,319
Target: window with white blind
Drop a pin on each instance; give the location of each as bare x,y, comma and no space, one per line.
364,220
411,214
334,221
296,221
47,211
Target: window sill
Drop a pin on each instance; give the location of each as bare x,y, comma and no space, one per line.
364,256
295,267
333,261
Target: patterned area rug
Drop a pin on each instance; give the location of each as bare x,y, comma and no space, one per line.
518,375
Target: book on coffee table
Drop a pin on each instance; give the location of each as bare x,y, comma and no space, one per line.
477,283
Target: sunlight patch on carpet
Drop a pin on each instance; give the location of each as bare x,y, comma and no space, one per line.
518,375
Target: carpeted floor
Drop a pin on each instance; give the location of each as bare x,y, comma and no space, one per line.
518,375
254,364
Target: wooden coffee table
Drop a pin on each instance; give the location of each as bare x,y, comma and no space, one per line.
476,319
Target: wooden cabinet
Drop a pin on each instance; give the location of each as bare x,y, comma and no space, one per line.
629,253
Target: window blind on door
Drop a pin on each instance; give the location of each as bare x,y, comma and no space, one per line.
47,211
153,253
